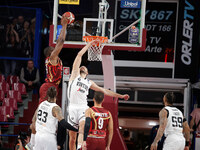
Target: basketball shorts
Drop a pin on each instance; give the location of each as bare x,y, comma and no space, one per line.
43,91
76,114
45,141
174,142
96,143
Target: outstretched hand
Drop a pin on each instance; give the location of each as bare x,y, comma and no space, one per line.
126,97
64,21
93,42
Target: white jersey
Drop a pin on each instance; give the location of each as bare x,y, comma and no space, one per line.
78,90
45,121
174,121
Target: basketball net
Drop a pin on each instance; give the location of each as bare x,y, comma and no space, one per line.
95,50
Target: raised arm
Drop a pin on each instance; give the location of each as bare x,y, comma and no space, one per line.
57,113
77,61
60,42
110,132
95,87
163,123
186,131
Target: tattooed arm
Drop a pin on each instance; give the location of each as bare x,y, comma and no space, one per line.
32,126
34,117
57,113
163,123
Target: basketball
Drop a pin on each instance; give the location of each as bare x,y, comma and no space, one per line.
70,16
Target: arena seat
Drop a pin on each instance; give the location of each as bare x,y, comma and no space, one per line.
7,111
3,118
4,86
2,78
19,87
15,94
2,95
10,102
12,79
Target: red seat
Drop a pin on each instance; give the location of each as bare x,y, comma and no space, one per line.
10,102
15,94
19,87
4,86
3,118
12,79
7,111
2,78
2,96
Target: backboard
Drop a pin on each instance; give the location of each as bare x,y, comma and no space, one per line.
103,18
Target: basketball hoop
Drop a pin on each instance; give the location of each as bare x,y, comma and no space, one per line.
95,50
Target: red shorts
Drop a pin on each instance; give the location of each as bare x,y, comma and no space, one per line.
43,91
96,143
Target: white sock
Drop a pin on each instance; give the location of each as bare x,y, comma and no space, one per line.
79,146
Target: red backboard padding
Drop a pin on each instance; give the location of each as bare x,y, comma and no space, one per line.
111,104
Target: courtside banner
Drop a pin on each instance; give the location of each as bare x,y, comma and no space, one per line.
187,46
69,2
130,4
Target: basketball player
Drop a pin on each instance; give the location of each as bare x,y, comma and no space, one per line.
98,121
78,89
53,63
53,66
46,120
173,124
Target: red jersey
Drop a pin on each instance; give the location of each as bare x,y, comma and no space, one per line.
54,73
99,122
17,147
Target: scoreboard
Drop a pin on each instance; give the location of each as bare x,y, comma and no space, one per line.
160,23
172,35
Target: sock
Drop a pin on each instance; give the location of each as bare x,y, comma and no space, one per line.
78,147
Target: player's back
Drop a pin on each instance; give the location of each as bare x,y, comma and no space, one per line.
99,122
46,122
174,121
53,72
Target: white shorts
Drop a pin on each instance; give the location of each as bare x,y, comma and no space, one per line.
76,114
174,142
45,141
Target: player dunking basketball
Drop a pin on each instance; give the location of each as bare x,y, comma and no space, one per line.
98,121
78,89
46,120
53,66
173,125
53,63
